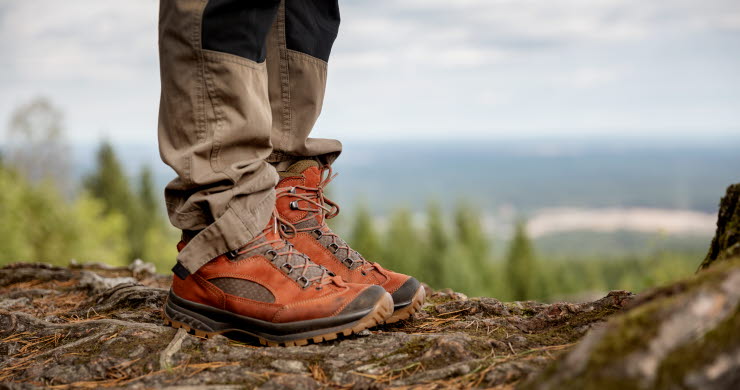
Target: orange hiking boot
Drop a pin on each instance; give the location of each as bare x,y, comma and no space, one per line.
302,203
271,291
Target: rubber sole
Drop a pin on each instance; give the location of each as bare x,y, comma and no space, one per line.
176,316
405,312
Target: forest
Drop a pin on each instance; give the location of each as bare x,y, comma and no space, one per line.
114,218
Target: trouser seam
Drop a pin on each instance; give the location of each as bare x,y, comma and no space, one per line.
200,114
284,77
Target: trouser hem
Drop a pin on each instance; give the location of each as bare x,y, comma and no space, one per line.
235,228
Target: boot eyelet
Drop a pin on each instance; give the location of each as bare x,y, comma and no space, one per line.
348,262
303,281
363,273
332,274
287,267
334,247
283,228
317,233
319,287
294,205
291,190
271,254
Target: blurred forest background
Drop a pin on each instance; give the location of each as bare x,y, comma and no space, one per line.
466,221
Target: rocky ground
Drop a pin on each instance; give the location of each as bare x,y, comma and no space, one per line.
90,326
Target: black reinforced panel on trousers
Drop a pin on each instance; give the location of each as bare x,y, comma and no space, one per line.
311,26
238,27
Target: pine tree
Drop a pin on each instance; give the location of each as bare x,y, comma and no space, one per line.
470,233
147,195
437,244
364,237
402,246
521,267
110,184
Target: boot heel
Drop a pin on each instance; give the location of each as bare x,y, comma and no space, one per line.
176,317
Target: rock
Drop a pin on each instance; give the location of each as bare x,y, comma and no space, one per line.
290,382
98,283
140,269
6,304
686,337
507,373
448,348
292,366
117,333
726,242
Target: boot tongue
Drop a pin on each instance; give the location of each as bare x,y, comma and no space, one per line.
301,166
306,168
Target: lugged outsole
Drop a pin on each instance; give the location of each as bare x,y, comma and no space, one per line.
380,312
405,312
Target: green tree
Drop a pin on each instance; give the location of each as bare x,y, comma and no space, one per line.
110,184
147,195
156,237
436,248
364,236
459,273
470,233
521,267
402,245
40,225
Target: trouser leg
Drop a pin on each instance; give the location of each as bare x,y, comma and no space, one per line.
215,122
298,48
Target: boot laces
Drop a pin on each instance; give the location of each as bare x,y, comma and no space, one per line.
320,204
280,248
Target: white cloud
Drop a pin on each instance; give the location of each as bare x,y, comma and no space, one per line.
431,67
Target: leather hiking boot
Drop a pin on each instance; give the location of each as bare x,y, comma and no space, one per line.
303,204
271,291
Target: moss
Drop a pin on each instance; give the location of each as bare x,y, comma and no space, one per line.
414,347
722,339
638,325
631,331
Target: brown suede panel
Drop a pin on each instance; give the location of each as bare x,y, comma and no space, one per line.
243,288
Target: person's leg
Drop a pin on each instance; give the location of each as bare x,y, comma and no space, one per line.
298,49
215,122
236,272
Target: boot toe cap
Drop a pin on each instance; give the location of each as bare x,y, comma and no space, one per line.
365,300
405,294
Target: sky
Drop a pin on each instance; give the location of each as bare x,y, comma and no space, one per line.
416,69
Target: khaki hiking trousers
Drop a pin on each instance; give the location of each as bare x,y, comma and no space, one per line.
242,85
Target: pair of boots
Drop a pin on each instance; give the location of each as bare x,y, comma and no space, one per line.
295,282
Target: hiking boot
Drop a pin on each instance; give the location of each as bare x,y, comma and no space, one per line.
271,291
304,205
